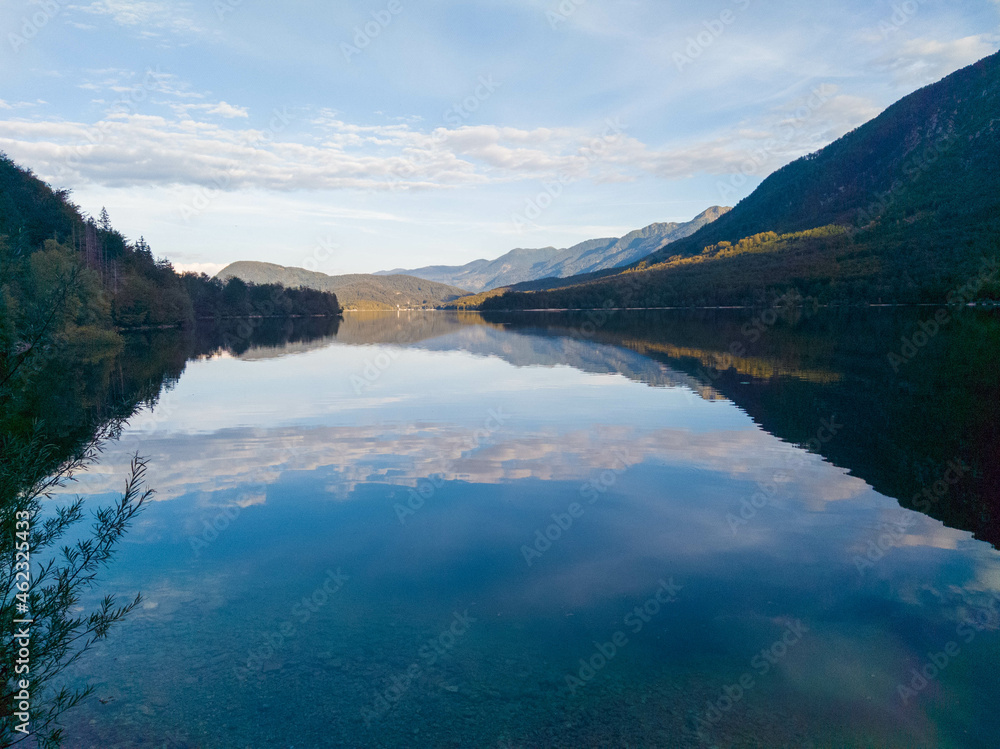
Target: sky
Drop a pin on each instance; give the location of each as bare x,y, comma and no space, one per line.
356,137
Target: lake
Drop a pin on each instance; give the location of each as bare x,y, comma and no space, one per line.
622,529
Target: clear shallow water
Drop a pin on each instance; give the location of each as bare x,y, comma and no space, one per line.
433,530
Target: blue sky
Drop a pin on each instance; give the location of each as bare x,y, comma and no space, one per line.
390,133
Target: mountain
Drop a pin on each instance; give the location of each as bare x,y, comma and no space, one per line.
354,291
593,255
903,209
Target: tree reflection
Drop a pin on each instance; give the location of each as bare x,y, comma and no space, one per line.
59,407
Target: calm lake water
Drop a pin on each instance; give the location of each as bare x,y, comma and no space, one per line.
444,530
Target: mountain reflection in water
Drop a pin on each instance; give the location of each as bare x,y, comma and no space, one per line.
419,528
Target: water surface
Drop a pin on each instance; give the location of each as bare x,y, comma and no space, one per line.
433,529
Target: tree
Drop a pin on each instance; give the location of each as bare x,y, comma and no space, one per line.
59,635
41,586
104,222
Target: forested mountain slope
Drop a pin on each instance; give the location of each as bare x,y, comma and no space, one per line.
905,208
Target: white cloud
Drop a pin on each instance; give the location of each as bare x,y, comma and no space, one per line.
126,148
917,62
21,104
230,111
208,463
145,15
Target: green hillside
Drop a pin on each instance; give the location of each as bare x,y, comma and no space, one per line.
355,291
913,195
68,280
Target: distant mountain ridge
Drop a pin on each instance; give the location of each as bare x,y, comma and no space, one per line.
354,291
520,265
903,209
